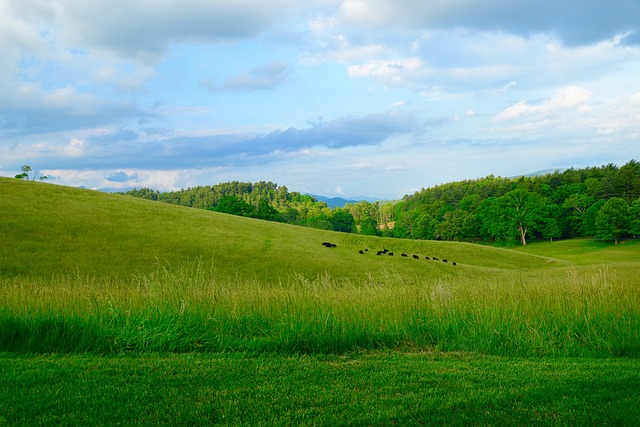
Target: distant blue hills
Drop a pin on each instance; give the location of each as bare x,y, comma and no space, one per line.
541,173
333,202
338,202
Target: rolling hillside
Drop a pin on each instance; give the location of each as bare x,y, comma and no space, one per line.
48,229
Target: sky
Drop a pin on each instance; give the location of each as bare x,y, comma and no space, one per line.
349,98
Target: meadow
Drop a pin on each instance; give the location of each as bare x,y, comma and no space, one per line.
257,323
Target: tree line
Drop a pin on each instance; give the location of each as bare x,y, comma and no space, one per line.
263,200
602,202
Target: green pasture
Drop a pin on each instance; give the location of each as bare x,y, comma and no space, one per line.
118,287
49,229
588,251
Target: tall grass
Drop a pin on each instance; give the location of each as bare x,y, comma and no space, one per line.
193,308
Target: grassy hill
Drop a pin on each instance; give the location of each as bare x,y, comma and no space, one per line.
87,271
48,229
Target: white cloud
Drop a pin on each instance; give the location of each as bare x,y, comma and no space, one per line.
564,99
617,118
389,72
75,148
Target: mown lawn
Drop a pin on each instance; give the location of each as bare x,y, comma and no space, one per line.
368,388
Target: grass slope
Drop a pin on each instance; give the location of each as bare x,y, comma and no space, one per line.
49,229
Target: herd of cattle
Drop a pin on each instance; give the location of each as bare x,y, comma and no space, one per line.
387,252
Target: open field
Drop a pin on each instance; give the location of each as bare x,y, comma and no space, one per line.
230,309
48,229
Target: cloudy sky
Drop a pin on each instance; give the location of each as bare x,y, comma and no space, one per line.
375,98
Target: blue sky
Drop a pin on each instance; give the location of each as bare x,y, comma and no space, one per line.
375,98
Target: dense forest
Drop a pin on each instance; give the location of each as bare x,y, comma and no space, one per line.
263,200
602,202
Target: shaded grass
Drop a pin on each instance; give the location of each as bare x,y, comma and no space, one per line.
370,388
192,308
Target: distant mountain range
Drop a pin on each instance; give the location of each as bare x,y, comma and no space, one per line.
542,173
333,202
338,202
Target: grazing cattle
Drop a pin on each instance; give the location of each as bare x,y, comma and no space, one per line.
416,257
427,257
379,253
328,245
390,253
454,263
385,250
366,249
361,252
435,259
404,255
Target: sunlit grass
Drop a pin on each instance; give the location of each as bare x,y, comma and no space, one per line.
48,229
191,308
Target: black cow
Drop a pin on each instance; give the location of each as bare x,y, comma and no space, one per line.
454,263
444,260
361,252
404,255
416,257
427,257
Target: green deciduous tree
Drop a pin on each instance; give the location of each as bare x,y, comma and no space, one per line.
453,225
578,203
612,220
492,225
424,227
267,212
525,210
516,214
235,206
342,221
369,227
634,217
320,222
589,223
